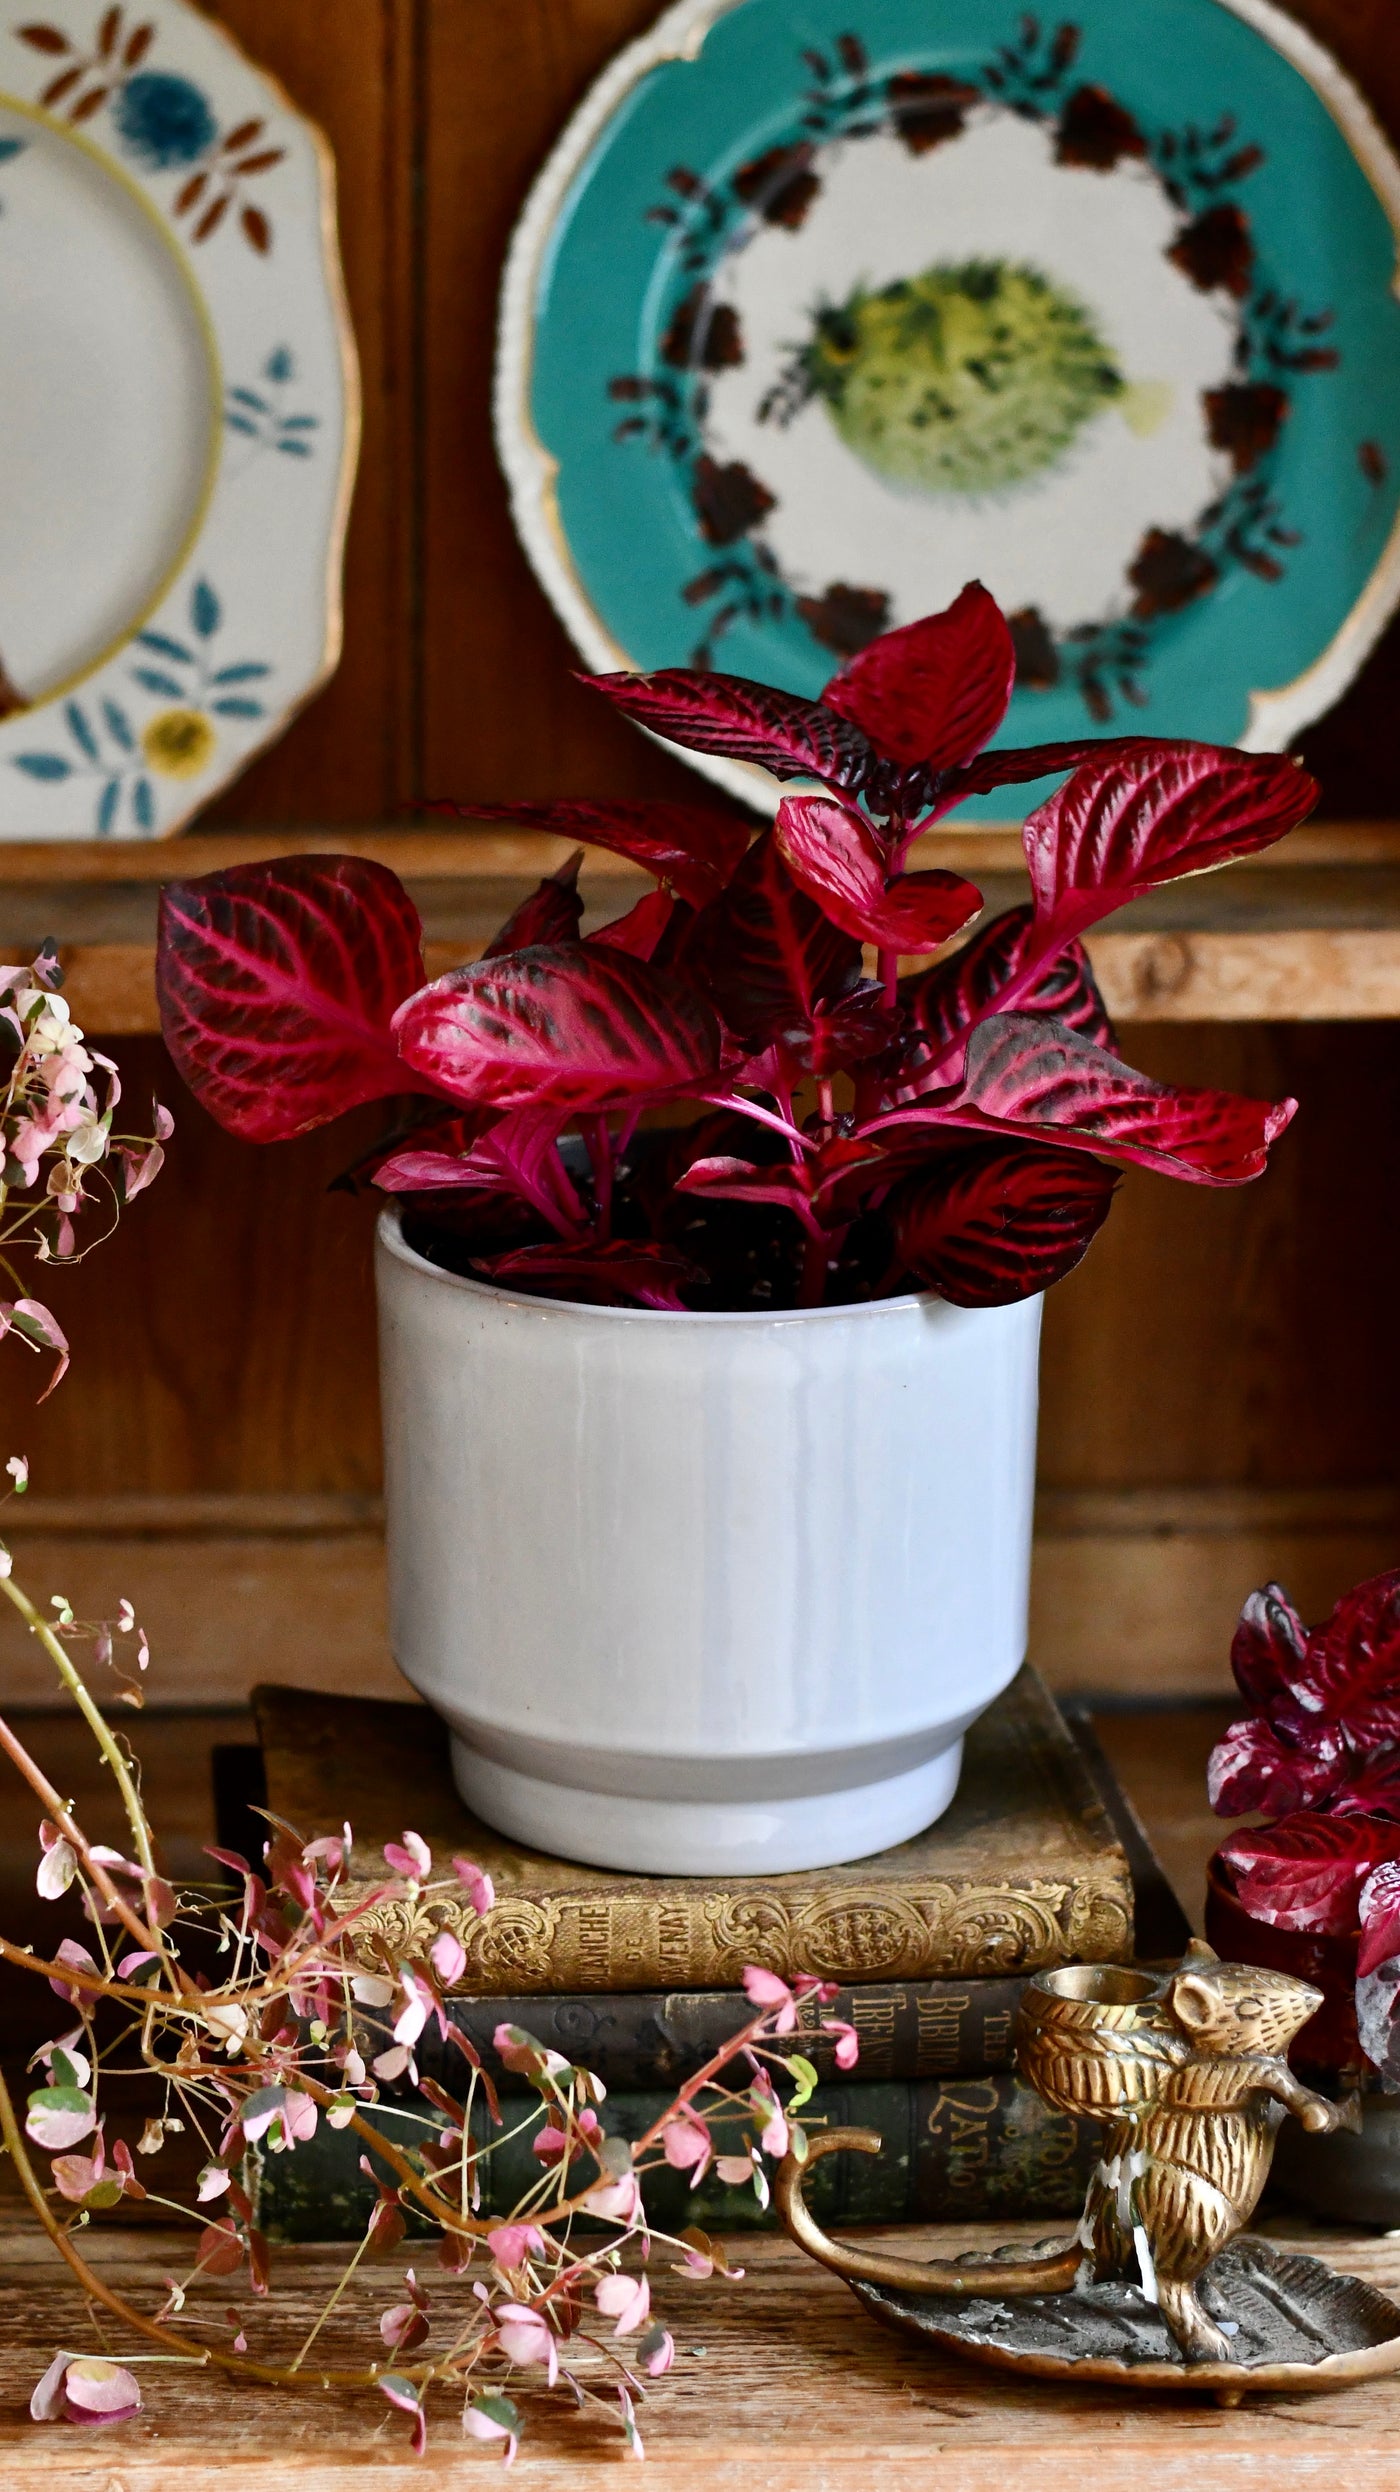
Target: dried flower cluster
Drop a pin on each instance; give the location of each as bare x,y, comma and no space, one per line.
60,1152
257,2012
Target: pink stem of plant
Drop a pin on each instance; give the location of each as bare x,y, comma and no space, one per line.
43,1789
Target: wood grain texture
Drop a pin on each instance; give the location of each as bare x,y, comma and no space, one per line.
780,2382
351,69
1134,1592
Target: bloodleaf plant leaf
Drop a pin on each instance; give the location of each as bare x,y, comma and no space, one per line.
955,1128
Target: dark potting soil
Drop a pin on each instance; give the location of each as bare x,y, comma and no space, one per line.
752,1255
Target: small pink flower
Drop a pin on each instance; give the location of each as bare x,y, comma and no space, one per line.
847,2041
68,1951
82,2388
478,1885
523,2054
626,2300
403,2327
768,1992
525,2336
617,2201
656,2352
511,2244
688,2146
449,1958
405,2396
58,1863
493,2418
418,2004
299,2115
411,1858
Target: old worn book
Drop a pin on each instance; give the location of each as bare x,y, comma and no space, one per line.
1023,1870
952,2151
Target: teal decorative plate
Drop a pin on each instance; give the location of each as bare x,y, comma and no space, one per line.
822,307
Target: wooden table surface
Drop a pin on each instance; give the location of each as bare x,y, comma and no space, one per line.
781,2383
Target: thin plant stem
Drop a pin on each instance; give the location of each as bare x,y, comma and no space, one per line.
78,1690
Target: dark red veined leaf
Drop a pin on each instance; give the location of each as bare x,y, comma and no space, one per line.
1270,1645
1307,1872
553,913
785,1184
568,1026
641,930
988,1226
516,1155
278,985
744,721
774,963
1028,1076
1123,825
625,1269
1253,1768
431,1172
932,692
1372,1790
691,847
1011,765
1352,1671
835,855
955,993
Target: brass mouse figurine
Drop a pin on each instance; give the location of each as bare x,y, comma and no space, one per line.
1187,2073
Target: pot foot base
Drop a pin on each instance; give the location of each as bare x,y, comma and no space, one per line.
706,1838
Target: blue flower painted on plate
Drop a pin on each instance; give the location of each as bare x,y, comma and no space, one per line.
177,740
163,122
260,417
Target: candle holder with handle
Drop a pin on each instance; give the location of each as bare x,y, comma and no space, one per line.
1158,2287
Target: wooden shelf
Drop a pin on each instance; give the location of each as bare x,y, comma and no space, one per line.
1134,1592
1308,932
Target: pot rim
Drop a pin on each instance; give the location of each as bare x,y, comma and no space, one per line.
389,1229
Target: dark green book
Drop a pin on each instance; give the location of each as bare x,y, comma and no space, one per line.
953,2150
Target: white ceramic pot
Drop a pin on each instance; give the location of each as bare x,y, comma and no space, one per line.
704,1593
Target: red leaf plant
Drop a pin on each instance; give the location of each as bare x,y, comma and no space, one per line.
1319,1757
826,1135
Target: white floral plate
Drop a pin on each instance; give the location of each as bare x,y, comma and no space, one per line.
179,416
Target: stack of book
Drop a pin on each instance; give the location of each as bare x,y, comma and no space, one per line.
1037,1862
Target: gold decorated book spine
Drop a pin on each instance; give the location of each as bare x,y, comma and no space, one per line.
691,1937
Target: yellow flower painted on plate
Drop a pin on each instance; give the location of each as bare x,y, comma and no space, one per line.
179,743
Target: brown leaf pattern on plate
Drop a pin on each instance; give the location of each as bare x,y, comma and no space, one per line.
1097,132
1216,249
1245,419
1169,572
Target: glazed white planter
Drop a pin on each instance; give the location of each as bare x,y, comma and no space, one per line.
704,1593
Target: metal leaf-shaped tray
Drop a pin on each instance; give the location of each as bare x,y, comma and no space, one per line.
1300,2326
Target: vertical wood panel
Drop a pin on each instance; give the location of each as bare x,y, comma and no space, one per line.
1249,1335
502,716
350,66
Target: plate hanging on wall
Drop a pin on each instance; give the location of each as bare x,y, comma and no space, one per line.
817,312
178,416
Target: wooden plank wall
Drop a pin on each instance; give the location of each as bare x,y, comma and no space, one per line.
1221,1377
